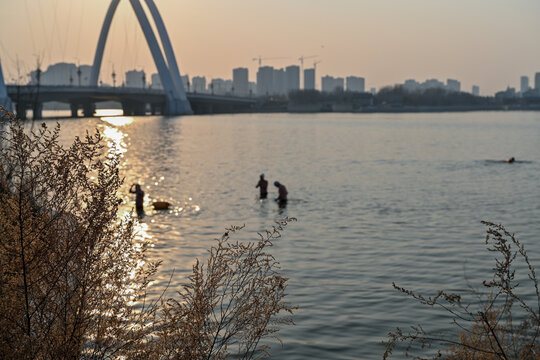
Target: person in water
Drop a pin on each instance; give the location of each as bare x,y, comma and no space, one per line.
511,160
282,192
139,197
263,187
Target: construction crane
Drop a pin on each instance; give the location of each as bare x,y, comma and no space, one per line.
302,58
260,59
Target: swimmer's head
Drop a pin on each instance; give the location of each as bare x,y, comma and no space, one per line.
276,183
262,176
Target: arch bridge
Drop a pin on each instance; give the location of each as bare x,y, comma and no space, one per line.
172,100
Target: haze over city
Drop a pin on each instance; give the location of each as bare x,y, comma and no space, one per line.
486,43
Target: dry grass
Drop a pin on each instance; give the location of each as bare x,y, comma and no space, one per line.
73,280
488,329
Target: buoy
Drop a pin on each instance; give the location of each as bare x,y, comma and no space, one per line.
161,205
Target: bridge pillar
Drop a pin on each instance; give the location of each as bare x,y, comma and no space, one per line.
74,110
134,108
21,110
89,109
37,111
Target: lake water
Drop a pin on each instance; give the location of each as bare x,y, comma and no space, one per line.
378,197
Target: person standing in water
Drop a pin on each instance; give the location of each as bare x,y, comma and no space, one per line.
263,187
282,192
139,198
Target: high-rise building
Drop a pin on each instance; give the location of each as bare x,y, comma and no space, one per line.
156,82
135,79
330,83
340,84
228,86
292,74
476,90
265,81
241,81
252,88
219,86
280,82
309,79
524,82
199,84
453,85
185,82
537,81
355,83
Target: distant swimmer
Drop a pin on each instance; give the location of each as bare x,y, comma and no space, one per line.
282,192
511,160
263,186
139,198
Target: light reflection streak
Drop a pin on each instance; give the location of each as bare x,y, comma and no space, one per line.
109,112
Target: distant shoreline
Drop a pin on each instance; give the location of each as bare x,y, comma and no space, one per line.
412,109
318,109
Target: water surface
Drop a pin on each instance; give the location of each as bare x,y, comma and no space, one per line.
379,198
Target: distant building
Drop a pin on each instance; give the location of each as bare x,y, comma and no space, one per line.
509,93
185,82
524,84
411,85
537,81
327,83
63,74
252,88
330,83
373,91
476,90
135,79
199,84
432,84
280,82
241,81
355,83
218,86
453,85
156,82
292,74
265,81
309,79
228,86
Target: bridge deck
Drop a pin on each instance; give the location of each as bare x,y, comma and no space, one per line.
28,96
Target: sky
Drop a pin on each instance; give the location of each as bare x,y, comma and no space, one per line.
490,43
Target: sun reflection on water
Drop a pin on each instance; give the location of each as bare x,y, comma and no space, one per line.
109,112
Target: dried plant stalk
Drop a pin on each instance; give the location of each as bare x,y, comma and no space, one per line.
73,279
489,328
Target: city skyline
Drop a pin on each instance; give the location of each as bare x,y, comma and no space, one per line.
490,44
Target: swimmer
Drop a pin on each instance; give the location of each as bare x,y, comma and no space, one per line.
263,187
139,197
282,192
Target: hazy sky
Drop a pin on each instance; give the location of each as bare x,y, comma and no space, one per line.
486,42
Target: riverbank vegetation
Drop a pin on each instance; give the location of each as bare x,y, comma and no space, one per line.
74,278
500,323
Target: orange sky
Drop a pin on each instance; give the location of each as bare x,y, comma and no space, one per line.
486,42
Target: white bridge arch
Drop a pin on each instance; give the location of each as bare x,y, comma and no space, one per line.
177,102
